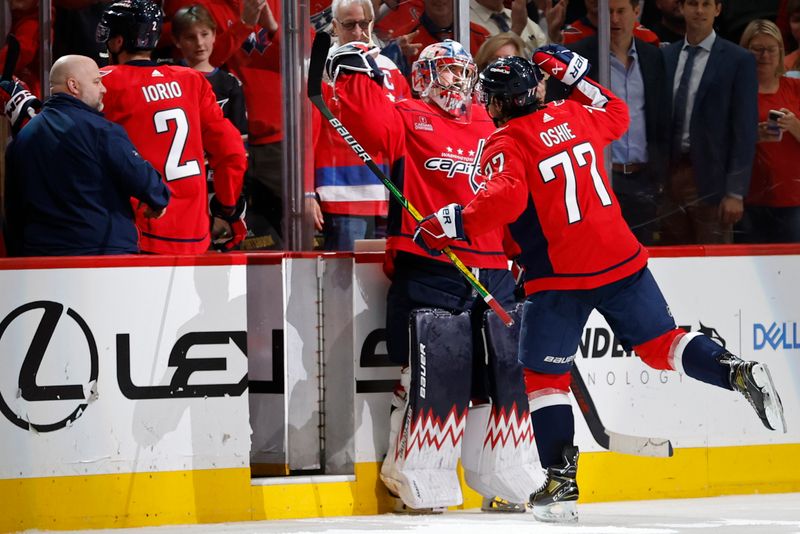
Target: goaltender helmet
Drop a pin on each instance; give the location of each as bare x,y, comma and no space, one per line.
512,83
137,21
445,75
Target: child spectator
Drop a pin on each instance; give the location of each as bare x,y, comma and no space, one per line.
194,32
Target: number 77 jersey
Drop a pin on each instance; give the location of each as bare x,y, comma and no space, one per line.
172,116
546,180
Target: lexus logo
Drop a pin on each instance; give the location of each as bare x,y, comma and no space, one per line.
42,373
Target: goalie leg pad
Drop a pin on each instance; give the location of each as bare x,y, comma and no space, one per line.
499,452
429,443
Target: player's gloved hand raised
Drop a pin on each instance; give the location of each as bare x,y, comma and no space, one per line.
228,240
561,63
352,57
440,229
19,104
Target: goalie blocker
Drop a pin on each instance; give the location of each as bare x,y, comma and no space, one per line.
430,417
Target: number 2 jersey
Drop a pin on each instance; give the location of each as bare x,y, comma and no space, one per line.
430,157
546,179
172,117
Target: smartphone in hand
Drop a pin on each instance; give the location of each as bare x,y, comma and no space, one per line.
772,122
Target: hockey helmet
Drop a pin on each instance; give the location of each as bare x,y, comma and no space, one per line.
512,81
445,75
137,21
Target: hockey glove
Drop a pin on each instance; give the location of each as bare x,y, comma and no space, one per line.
19,104
439,230
352,57
561,63
228,240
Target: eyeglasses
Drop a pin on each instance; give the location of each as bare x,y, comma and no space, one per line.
350,25
770,50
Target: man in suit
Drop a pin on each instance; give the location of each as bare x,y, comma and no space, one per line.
713,129
639,157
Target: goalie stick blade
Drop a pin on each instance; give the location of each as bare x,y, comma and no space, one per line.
639,446
12,55
319,53
614,441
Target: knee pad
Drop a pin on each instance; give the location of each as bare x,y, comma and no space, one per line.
423,468
660,353
499,455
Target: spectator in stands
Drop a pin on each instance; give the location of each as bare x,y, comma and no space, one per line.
712,132
410,30
500,45
71,174
670,26
25,27
792,60
640,156
587,26
772,207
352,202
194,33
496,18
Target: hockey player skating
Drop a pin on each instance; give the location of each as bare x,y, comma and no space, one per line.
545,178
430,146
172,117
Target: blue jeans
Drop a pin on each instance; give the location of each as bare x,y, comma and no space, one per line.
341,231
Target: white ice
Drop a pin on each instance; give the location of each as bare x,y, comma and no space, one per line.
750,514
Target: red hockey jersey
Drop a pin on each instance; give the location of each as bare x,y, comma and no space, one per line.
171,115
546,179
431,157
345,185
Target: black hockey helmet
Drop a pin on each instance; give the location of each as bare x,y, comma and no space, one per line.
512,82
137,21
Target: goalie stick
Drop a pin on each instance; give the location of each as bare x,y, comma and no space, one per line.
613,441
319,53
12,55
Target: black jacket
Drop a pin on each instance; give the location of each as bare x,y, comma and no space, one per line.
656,95
70,178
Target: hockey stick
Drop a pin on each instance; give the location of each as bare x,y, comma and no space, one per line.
12,55
612,441
319,53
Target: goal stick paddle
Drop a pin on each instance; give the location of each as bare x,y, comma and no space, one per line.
319,53
12,55
613,441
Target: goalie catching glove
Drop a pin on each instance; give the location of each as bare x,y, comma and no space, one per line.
352,57
561,63
439,230
234,216
19,104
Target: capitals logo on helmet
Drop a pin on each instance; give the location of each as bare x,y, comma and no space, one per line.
512,81
137,21
445,75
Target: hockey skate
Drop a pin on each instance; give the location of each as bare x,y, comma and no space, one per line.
556,502
499,505
753,380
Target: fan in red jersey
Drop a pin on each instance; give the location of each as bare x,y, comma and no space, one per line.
172,117
546,180
430,146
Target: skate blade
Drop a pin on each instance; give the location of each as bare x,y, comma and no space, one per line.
401,508
773,407
502,506
558,512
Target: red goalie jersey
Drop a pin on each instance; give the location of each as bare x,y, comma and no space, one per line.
172,117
